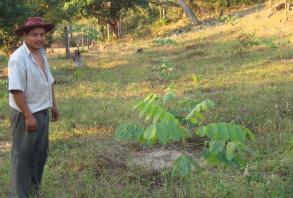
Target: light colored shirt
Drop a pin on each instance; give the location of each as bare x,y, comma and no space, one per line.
25,75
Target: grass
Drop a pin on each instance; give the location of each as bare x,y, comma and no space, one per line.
255,90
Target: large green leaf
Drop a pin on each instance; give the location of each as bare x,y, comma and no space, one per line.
168,96
216,146
157,114
224,131
184,165
230,150
163,133
237,133
170,131
150,134
129,132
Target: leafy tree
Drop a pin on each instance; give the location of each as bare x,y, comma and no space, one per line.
106,12
12,14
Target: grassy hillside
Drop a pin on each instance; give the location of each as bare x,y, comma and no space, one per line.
251,85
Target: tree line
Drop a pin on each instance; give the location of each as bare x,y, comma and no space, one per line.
107,13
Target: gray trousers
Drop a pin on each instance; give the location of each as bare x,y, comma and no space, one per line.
29,153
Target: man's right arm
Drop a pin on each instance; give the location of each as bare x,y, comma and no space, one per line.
16,86
30,121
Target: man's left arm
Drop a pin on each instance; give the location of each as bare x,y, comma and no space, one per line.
55,112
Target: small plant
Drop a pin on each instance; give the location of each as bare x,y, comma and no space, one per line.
165,70
195,79
164,41
77,73
271,44
245,42
226,141
4,82
228,19
161,123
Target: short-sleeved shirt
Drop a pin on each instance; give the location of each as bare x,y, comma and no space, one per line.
25,75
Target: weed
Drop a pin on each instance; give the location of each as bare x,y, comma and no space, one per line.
164,41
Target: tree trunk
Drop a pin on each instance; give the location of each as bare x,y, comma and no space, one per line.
78,40
88,44
82,40
120,27
286,10
108,32
192,18
114,28
66,41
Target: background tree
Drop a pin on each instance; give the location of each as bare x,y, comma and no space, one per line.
191,16
12,14
106,12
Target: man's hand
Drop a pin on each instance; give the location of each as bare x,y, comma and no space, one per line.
55,114
31,123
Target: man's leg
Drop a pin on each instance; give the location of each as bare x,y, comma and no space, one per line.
41,148
22,156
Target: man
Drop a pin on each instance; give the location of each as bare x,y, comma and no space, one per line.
31,95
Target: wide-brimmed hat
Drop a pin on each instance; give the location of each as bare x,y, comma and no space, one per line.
33,22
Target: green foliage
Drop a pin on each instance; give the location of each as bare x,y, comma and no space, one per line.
195,79
18,11
77,73
106,12
196,116
227,143
228,19
165,127
165,70
164,41
3,82
246,41
228,3
130,132
12,13
271,44
184,165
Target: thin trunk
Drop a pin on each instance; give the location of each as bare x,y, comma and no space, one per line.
114,28
108,31
82,39
88,44
78,40
192,18
286,10
66,41
120,27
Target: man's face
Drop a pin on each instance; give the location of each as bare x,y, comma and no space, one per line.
35,38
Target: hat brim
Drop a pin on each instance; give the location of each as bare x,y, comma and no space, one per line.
48,27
